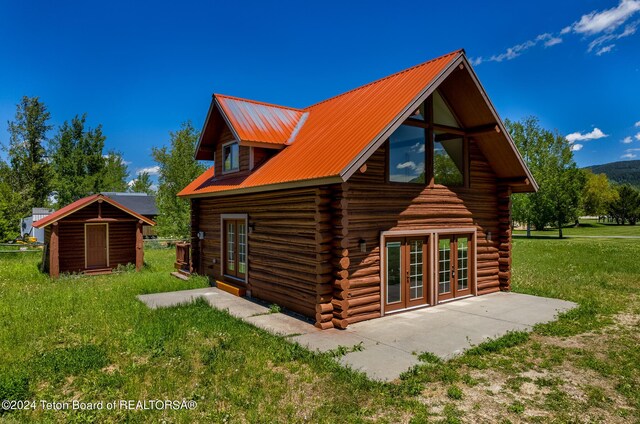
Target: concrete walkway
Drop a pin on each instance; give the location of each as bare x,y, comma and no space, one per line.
390,345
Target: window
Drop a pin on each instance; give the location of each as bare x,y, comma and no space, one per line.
407,155
448,161
431,136
235,247
230,157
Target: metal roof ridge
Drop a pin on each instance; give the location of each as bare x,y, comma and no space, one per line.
258,102
385,78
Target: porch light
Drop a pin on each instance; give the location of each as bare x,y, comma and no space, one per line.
488,235
200,235
252,227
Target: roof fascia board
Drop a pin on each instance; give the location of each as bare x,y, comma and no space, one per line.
359,160
204,126
106,199
226,119
274,146
494,112
269,187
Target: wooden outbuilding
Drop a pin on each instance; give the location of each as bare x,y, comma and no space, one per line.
92,235
389,197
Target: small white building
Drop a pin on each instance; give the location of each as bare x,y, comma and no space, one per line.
26,224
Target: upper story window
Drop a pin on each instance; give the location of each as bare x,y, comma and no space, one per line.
230,157
430,147
407,155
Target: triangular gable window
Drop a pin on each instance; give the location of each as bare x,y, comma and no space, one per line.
442,115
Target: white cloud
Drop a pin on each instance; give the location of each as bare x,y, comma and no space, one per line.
637,136
637,124
605,49
593,135
132,182
552,41
628,156
576,147
151,170
607,20
627,140
632,150
418,147
607,38
405,165
602,24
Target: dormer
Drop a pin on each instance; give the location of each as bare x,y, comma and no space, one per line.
240,135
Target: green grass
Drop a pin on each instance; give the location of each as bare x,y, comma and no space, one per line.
89,338
588,227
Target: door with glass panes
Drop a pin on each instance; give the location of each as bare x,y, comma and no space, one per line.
453,267
405,272
235,248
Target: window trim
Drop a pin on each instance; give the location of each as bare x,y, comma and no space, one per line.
429,128
232,170
223,247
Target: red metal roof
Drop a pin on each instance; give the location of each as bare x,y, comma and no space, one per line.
260,122
336,130
81,203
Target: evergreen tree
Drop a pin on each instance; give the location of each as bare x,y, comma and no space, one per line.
142,184
627,206
115,174
178,168
28,153
77,161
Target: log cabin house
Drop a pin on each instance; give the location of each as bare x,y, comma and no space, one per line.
392,196
92,235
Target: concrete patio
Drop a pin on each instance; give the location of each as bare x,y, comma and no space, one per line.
390,344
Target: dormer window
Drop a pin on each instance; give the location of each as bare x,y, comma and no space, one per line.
230,157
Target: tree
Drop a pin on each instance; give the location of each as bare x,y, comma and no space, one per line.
627,206
178,168
598,194
550,159
11,205
77,161
564,182
28,152
115,174
142,184
527,208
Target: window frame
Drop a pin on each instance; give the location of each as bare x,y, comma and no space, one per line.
235,275
429,129
232,170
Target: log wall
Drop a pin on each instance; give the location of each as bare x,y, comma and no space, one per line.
289,247
375,206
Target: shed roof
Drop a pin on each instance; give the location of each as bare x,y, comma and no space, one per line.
338,134
141,203
82,203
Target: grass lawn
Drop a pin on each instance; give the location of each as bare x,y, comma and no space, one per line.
90,339
588,227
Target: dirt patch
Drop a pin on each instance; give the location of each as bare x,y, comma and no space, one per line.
541,391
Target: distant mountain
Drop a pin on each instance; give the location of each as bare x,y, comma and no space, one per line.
623,172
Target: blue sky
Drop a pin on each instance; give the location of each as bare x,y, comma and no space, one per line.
142,68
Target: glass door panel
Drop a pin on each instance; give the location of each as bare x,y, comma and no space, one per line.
454,267
393,289
444,269
405,273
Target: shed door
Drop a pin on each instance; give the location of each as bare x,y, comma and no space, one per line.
96,246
